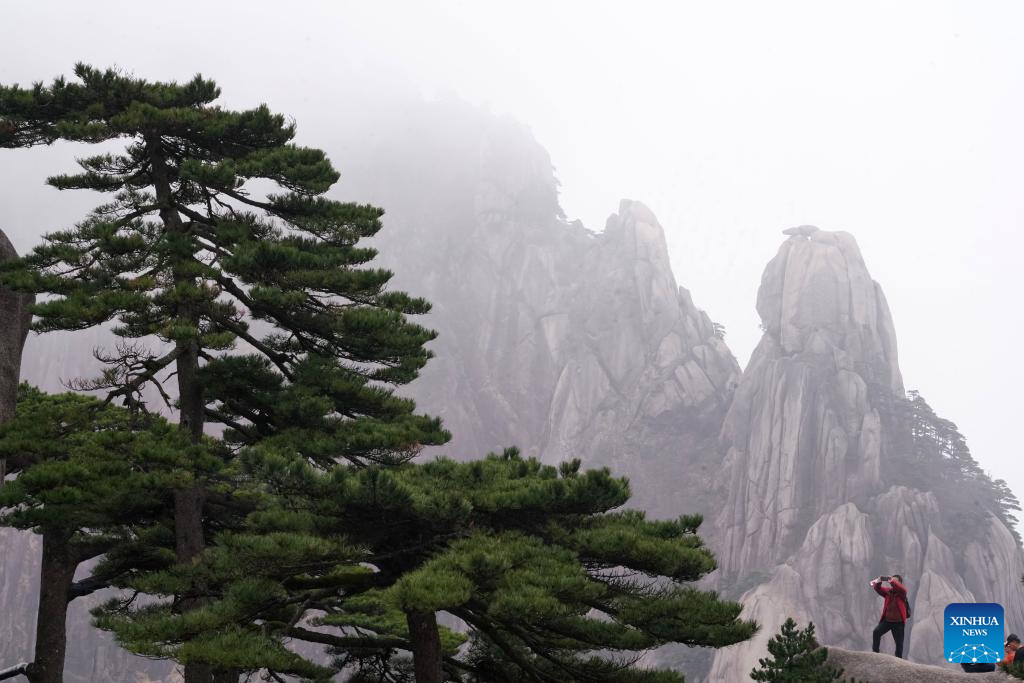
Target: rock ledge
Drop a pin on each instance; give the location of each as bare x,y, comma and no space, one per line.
882,668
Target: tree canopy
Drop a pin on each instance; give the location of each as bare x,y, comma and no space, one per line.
534,559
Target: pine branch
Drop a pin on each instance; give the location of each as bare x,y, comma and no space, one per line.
16,670
384,642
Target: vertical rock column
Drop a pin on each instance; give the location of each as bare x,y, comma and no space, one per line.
804,430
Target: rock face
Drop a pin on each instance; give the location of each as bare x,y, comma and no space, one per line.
812,442
804,429
559,340
574,348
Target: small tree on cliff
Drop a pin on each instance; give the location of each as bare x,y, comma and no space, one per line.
796,658
187,255
90,479
533,558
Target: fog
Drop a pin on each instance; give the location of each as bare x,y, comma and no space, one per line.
900,123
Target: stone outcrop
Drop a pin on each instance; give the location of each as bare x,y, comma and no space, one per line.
804,429
811,442
882,668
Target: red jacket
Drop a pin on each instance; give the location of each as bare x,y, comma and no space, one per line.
896,593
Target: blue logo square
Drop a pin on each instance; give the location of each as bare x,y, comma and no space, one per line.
973,632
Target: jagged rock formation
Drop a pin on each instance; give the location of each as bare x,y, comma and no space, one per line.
882,668
562,341
804,430
816,445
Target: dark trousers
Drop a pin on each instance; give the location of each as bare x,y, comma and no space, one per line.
897,634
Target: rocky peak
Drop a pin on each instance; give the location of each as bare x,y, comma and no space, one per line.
553,337
804,429
812,514
817,297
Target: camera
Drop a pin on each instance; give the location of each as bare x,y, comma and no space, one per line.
885,578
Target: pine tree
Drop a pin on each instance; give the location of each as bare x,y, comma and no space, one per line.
795,658
90,479
534,559
188,255
932,455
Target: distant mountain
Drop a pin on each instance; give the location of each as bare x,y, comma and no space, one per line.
562,341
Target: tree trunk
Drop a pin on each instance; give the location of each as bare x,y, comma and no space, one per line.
188,503
55,578
426,646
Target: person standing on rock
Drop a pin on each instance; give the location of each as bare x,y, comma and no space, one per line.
894,611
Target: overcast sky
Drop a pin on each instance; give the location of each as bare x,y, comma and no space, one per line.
898,122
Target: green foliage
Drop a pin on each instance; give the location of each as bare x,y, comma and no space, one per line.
533,558
92,474
795,658
189,255
1013,669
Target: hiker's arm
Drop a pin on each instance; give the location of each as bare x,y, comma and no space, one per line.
898,587
879,588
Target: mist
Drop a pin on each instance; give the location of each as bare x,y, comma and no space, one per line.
898,124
